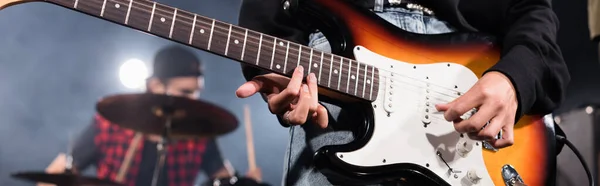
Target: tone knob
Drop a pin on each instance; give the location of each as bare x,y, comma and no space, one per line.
464,146
473,176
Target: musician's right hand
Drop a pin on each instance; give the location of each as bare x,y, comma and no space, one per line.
293,100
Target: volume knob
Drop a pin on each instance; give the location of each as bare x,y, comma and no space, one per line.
473,176
464,146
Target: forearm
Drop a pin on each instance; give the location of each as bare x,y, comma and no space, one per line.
531,57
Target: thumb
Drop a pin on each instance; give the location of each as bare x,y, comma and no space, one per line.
248,89
442,106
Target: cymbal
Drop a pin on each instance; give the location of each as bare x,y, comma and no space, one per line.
146,113
64,179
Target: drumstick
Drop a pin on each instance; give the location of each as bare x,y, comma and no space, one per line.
249,140
128,156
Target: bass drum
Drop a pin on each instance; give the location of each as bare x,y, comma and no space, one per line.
234,181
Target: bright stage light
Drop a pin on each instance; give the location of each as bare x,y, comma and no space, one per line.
133,74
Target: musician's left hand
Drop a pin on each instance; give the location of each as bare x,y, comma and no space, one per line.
255,174
496,101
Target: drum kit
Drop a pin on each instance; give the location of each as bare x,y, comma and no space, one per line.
168,116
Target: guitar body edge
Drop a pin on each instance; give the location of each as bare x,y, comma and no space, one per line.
346,26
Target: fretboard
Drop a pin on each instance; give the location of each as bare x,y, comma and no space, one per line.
250,47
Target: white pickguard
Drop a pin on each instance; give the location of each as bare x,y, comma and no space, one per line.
409,97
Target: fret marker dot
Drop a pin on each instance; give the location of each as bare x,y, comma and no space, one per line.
236,41
352,76
117,5
278,66
202,31
162,19
281,43
368,81
315,65
335,71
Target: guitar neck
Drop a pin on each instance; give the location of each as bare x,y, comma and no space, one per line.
246,46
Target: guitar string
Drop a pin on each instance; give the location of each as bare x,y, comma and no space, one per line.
236,32
361,70
360,80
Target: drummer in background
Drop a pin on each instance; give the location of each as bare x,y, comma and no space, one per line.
105,145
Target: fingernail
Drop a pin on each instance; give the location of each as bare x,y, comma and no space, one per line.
312,77
300,69
305,88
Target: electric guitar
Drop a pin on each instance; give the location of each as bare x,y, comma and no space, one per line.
398,76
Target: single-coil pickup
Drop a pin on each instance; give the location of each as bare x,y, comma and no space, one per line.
426,118
389,95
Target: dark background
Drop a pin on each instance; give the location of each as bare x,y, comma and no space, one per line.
580,53
56,63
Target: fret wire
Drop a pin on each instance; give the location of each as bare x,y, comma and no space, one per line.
220,39
356,79
299,55
365,80
287,50
128,11
151,16
244,47
372,82
251,49
228,37
116,13
321,66
273,53
330,72
172,23
279,55
235,43
340,74
103,7
75,6
218,46
211,34
200,34
265,52
192,32
276,56
259,46
349,73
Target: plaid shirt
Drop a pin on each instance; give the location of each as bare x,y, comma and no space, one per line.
183,161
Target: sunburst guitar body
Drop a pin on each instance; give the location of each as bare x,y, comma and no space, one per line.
397,76
407,133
